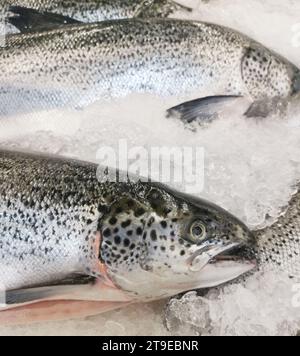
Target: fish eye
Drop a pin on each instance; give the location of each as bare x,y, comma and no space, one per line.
198,231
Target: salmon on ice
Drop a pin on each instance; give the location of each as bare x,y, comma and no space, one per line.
74,244
202,65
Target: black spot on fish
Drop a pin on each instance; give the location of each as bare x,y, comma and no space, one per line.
163,224
153,235
139,212
182,253
117,240
129,233
106,232
102,208
112,221
139,231
119,210
126,242
126,224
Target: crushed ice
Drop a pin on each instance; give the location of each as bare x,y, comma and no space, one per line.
250,169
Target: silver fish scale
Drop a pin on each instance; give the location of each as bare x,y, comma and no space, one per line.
279,244
48,214
100,10
75,66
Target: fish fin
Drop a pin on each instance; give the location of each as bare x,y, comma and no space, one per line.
82,288
202,110
56,310
29,295
267,107
30,20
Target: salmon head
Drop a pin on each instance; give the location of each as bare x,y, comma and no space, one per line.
158,242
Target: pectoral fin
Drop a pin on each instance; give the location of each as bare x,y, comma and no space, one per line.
80,288
201,110
56,310
30,20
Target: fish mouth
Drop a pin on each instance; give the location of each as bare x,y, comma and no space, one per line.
238,253
220,264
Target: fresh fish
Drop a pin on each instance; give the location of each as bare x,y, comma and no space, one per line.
73,242
76,65
279,245
276,247
100,10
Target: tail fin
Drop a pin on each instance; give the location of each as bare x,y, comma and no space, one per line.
30,20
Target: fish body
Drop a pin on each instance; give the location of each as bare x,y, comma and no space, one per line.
278,246
68,234
76,65
100,10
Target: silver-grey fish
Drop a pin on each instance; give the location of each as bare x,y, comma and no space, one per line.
279,244
74,244
100,10
76,65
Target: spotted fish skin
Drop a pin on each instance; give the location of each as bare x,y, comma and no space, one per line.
279,245
60,218
100,10
44,219
76,65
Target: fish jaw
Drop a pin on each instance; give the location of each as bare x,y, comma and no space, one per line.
213,275
221,264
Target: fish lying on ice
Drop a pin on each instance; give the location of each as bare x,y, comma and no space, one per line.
100,10
76,65
276,247
279,244
73,244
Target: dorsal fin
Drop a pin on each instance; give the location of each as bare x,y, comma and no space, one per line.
30,20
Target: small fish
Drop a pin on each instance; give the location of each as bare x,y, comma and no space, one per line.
75,65
100,10
74,244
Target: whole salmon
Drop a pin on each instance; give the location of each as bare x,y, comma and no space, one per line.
75,65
